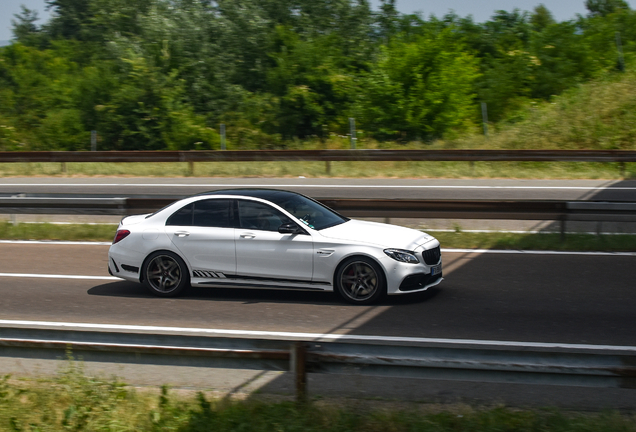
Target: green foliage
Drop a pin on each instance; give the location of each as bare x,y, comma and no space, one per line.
541,18
422,87
605,7
163,74
24,28
73,401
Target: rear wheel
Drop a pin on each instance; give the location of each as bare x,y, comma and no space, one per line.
360,280
165,274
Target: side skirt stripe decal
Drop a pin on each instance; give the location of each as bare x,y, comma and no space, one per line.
219,275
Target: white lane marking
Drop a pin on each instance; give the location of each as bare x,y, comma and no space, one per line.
316,336
54,276
56,243
533,252
260,185
449,250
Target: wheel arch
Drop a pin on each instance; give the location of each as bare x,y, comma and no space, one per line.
356,255
142,272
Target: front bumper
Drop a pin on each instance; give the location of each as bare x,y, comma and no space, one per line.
419,282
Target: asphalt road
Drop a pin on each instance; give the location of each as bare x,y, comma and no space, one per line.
555,298
598,190
551,298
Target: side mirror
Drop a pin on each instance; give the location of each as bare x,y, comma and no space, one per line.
289,228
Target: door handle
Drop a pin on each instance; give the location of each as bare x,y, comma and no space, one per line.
248,236
182,233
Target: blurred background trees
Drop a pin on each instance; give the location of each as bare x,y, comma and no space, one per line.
163,74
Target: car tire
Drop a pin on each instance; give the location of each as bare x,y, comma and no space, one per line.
360,280
165,274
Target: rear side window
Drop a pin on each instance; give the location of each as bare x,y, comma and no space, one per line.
182,217
213,213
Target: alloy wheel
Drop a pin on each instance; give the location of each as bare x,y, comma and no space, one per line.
359,281
164,274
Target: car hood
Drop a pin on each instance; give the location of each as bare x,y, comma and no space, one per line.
390,236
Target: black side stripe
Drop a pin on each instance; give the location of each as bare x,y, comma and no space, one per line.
257,285
219,275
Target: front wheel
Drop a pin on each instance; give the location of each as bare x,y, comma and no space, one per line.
165,274
360,280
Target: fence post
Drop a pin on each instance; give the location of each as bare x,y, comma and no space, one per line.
222,136
352,129
619,47
484,116
299,369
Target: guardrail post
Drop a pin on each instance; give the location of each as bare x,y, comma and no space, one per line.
328,167
190,167
13,216
299,369
64,167
563,227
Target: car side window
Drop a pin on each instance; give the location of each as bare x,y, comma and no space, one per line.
182,217
259,216
213,213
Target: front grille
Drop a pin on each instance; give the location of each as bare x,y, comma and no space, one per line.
432,256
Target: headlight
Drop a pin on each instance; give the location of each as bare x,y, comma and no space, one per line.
402,255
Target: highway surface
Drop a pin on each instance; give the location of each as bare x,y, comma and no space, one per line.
542,297
498,189
494,296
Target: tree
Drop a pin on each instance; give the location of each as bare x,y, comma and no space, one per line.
541,18
420,88
70,16
24,28
387,19
605,7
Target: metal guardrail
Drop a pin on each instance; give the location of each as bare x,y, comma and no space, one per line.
323,155
440,361
562,211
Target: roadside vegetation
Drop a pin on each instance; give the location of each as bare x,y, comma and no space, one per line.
74,401
517,170
457,239
164,74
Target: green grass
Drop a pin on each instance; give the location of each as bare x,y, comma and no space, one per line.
521,170
513,241
459,239
76,402
47,231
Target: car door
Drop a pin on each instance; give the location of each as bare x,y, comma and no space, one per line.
204,233
262,253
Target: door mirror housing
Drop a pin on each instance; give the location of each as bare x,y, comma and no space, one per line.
290,228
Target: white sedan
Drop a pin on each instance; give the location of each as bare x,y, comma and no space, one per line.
274,239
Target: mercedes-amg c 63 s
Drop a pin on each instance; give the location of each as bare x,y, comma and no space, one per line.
263,238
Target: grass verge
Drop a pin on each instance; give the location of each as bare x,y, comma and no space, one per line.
47,231
553,242
519,170
459,239
73,401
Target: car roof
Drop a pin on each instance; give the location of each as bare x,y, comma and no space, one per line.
266,194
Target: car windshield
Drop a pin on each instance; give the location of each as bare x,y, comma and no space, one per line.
309,212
